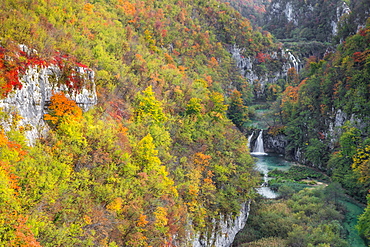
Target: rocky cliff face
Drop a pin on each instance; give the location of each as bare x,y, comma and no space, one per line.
225,230
275,144
342,10
38,85
264,73
306,20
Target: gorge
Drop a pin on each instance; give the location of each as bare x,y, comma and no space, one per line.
128,123
303,130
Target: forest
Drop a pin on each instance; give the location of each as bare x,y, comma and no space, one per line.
157,159
322,110
163,154
336,85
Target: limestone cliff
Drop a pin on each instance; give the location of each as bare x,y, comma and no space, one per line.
305,20
268,72
224,230
38,83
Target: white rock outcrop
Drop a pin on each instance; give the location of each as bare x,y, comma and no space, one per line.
248,66
38,85
224,230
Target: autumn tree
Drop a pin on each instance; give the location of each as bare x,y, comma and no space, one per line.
14,224
238,112
61,109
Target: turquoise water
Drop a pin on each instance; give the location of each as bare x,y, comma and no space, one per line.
350,223
266,163
269,162
273,161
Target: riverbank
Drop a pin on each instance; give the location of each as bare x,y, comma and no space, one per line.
354,210
304,203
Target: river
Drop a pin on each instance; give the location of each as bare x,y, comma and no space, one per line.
265,163
268,162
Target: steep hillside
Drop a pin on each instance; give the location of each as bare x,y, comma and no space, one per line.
303,29
308,27
254,10
311,20
351,23
156,162
326,116
323,112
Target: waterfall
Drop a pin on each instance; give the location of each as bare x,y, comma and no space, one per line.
258,148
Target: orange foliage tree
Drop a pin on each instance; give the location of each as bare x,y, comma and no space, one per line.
61,108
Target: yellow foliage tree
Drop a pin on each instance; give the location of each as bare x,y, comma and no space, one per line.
361,164
148,108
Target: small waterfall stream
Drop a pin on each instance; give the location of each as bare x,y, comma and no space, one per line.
258,147
264,190
261,166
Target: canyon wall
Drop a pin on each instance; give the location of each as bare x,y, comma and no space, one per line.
31,100
224,229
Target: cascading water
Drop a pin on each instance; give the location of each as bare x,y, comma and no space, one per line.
258,148
264,190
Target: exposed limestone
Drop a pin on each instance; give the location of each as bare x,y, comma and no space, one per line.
38,85
224,230
298,13
341,11
288,11
248,67
275,144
